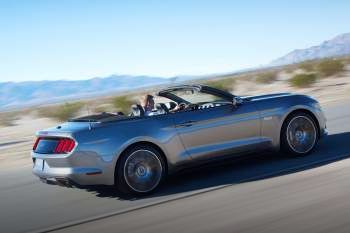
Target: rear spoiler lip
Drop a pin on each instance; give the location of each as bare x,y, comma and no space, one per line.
53,134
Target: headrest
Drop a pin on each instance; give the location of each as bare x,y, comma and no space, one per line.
162,108
137,110
172,105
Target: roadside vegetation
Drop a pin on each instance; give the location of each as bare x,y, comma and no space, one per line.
307,66
300,75
62,112
330,67
266,77
8,119
103,107
122,103
226,84
303,80
347,60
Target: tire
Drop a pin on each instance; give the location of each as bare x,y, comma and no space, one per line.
140,171
299,134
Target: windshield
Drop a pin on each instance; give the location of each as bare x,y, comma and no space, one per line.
194,96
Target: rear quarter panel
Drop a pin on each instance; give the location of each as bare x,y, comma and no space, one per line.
109,140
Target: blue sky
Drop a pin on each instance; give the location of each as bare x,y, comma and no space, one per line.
50,40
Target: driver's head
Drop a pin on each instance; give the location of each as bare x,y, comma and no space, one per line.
148,102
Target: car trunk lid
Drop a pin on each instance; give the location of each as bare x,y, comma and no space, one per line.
66,129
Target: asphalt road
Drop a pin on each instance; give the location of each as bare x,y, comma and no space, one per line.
264,193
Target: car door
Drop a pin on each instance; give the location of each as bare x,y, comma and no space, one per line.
218,131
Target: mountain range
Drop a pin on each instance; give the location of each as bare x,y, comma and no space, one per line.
19,94
13,94
338,46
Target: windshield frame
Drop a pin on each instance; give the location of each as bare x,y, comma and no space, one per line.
168,93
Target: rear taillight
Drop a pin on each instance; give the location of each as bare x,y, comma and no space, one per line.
44,145
64,145
36,143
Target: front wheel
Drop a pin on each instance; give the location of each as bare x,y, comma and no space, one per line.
140,170
299,134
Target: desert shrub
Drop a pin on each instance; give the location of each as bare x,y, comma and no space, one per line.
7,118
226,84
103,108
289,69
303,80
61,112
330,67
347,60
122,103
248,78
307,66
266,77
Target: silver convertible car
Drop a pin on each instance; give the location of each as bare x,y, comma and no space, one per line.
190,125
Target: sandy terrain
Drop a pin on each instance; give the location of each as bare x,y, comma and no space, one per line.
326,90
16,141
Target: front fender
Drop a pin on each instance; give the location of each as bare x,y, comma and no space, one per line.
273,116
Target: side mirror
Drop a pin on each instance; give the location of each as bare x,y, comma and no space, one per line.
236,101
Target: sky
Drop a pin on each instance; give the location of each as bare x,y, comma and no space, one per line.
82,39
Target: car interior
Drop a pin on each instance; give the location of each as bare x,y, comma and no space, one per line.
165,102
167,106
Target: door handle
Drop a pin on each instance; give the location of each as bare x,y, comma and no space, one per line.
186,124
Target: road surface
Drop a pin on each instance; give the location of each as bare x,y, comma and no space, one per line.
264,193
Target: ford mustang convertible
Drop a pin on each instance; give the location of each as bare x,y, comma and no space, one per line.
189,125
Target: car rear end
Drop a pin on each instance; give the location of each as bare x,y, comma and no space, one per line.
59,156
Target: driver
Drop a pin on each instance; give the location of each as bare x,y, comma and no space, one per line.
148,105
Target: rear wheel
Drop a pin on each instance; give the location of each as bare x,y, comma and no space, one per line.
140,170
299,134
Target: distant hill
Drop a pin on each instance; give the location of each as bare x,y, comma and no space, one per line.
20,94
338,46
16,94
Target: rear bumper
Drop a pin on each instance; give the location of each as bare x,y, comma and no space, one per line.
60,181
86,168
80,175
